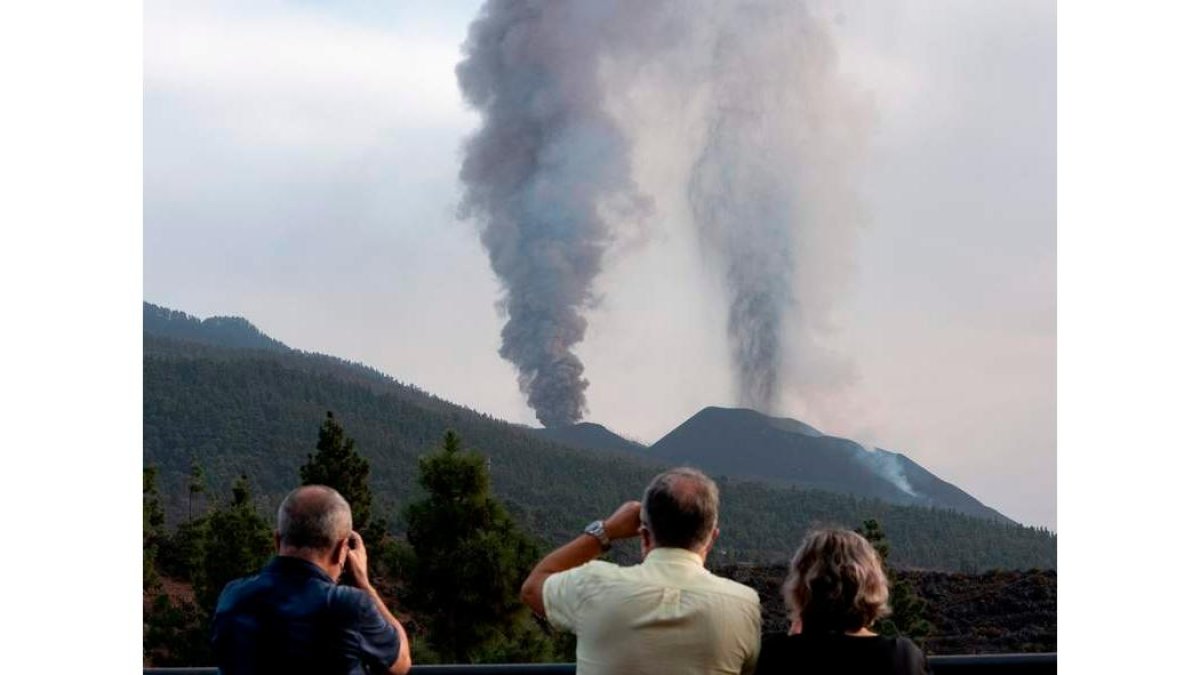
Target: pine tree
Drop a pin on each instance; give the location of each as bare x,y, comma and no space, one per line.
197,484
470,559
238,543
211,551
175,633
152,527
181,555
908,608
338,465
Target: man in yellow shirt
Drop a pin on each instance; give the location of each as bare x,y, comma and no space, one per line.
666,615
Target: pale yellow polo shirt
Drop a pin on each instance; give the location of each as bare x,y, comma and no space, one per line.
667,615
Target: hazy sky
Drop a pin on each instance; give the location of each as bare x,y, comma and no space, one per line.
300,170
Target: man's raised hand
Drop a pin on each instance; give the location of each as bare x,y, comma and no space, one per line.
624,522
356,561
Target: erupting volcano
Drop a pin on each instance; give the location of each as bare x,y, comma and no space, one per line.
549,175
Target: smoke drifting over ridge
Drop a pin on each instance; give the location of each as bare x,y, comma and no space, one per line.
549,174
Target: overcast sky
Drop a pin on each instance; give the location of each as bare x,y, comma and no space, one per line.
300,170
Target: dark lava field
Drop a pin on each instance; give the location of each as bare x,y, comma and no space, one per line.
991,612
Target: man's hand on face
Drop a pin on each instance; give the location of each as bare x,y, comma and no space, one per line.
624,522
356,561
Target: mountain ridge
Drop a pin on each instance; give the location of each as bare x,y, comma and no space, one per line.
591,436
256,411
744,443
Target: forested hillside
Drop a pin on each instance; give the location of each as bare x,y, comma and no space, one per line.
254,409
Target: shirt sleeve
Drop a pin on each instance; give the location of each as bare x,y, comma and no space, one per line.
378,639
562,596
755,652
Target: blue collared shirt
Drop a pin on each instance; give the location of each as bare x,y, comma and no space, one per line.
292,618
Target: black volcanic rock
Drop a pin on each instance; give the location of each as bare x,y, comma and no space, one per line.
741,443
590,436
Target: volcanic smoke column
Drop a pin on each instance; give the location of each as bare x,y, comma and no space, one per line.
769,193
540,174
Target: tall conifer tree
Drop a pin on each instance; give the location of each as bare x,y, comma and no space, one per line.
470,559
152,527
197,485
908,608
238,543
338,465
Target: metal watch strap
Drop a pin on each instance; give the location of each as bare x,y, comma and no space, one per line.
596,529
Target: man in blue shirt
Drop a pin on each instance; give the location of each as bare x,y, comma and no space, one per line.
293,617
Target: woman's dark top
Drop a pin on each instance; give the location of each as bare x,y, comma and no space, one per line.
832,653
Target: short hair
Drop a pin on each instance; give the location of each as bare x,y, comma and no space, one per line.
836,583
314,517
679,508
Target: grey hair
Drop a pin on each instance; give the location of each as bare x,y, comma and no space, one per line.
314,517
836,583
679,508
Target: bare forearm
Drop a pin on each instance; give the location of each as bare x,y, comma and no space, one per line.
580,550
404,658
356,566
622,524
383,609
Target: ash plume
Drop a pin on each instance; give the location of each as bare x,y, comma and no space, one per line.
544,175
770,196
769,133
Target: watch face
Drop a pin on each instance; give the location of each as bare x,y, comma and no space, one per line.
596,529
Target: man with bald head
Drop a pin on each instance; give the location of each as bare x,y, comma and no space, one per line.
293,617
668,614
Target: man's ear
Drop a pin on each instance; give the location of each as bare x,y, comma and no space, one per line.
278,540
712,540
341,550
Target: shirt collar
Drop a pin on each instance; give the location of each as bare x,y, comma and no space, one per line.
674,555
286,564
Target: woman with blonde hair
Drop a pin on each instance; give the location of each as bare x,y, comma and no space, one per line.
835,590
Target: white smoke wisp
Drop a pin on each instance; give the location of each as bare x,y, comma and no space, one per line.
767,174
887,466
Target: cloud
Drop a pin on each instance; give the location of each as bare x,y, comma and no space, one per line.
285,75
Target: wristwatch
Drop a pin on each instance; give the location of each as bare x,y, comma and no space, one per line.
596,529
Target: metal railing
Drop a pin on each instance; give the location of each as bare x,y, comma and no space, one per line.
965,664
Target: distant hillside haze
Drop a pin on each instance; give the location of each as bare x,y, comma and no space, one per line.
221,393
224,331
746,444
